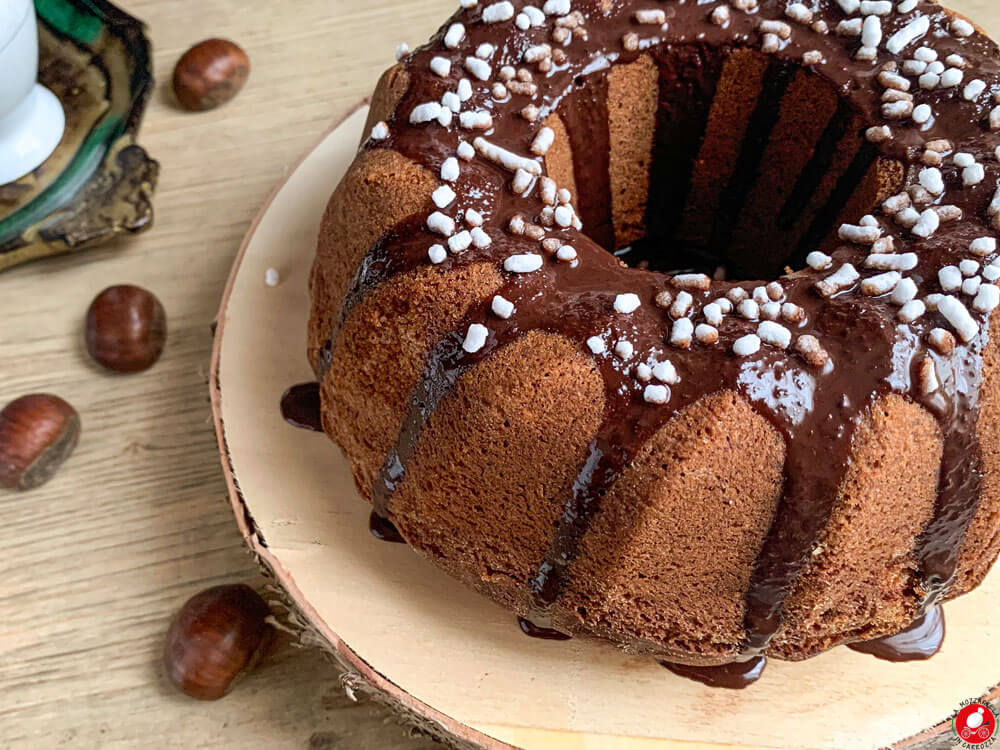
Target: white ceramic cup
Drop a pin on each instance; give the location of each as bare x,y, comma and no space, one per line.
32,120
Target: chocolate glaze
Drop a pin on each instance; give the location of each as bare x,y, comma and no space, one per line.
921,640
530,629
383,529
817,412
735,675
300,407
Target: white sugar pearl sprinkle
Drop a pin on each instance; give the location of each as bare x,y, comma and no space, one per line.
747,345
951,77
883,283
922,114
556,7
891,261
665,372
950,278
450,170
958,316
971,286
437,254
656,394
424,113
871,31
543,141
706,334
927,224
465,151
502,307
983,246
818,261
910,33
774,334
713,313
627,303
524,263
973,90
748,309
459,243
973,175
912,310
498,12
475,338
480,238
441,224
905,291
566,254
564,216
961,28
624,349
451,101
843,278
968,267
932,180
876,7
479,68
454,36
443,196
441,66
987,298
681,333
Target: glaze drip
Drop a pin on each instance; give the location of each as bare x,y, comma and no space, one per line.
534,631
300,407
383,529
734,676
921,640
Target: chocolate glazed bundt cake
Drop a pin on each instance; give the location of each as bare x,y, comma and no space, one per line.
668,322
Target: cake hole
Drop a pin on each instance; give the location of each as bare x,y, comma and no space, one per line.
753,162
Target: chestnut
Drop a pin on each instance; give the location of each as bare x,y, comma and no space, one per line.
217,637
210,74
37,433
126,329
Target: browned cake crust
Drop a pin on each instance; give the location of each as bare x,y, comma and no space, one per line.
478,463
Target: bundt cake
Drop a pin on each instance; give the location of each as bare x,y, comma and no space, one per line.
668,323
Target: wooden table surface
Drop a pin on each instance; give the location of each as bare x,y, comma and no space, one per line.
96,562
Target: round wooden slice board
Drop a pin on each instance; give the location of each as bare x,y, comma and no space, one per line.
450,658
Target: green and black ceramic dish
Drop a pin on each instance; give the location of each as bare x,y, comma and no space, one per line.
99,183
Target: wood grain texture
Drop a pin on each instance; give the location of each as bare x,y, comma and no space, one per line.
97,561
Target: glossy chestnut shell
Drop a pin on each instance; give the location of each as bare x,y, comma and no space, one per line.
38,433
210,74
126,329
216,638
